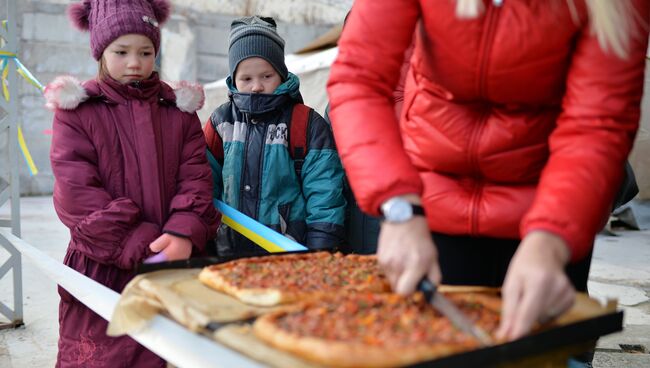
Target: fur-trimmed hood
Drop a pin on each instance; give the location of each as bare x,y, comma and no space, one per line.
67,93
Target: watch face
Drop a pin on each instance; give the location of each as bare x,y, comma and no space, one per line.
399,211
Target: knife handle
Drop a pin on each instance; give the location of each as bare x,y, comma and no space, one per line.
427,287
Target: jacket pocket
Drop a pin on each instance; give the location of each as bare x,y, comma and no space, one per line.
294,230
284,210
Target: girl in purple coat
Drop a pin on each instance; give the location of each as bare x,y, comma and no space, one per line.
132,180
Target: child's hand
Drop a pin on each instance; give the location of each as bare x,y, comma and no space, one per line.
174,247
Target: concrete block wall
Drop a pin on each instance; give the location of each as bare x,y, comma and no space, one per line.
194,47
48,46
207,58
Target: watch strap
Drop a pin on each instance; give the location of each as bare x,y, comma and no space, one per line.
417,209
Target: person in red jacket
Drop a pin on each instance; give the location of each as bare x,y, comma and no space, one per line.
517,120
131,177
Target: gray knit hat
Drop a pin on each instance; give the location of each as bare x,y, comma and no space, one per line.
256,36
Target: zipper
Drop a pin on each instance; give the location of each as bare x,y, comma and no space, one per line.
157,139
487,42
261,169
261,166
160,154
242,175
477,191
473,144
477,194
491,15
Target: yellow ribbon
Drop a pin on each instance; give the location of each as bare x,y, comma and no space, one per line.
253,236
28,157
27,75
5,83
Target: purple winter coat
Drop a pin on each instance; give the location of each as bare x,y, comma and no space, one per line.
128,166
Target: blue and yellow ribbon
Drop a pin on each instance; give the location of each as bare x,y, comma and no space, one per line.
261,235
29,77
28,157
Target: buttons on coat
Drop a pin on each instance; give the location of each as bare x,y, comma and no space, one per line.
247,188
255,121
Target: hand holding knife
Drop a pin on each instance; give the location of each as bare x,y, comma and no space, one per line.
449,310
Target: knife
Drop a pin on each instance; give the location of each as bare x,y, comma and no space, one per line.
449,310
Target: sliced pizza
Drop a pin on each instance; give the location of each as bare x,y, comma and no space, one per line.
282,279
375,330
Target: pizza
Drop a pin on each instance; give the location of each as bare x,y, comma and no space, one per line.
281,279
375,330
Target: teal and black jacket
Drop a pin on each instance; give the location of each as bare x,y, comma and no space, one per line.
257,174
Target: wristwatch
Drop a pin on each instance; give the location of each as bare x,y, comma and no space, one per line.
400,210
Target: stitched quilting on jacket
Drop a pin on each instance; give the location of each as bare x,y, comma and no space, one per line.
513,121
258,177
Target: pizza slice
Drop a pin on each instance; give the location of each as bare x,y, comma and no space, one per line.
375,330
282,279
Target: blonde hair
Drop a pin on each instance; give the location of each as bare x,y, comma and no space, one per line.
102,72
611,20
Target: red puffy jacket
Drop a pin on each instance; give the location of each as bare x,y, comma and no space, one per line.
513,121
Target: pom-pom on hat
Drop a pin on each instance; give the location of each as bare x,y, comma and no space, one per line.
256,37
107,20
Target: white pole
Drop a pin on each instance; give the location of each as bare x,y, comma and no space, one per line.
164,337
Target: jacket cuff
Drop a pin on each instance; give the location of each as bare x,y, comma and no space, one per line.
135,248
188,225
321,241
579,243
402,190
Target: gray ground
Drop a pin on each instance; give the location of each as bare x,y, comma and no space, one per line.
620,269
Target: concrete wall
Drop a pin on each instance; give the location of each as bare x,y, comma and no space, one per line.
194,47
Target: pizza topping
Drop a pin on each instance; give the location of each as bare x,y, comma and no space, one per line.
313,272
383,320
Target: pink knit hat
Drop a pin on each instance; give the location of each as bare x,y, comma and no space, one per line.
106,20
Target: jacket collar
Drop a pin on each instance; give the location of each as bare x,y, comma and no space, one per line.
66,93
260,103
116,92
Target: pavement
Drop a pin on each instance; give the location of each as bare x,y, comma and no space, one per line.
620,269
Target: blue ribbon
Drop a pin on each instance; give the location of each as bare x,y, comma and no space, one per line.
270,237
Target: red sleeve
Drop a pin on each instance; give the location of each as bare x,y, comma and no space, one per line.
594,135
361,85
105,229
192,213
213,140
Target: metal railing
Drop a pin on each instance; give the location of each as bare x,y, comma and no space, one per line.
10,186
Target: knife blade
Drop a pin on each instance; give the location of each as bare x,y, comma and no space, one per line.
449,310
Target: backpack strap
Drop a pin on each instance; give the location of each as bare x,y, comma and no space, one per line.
298,136
213,140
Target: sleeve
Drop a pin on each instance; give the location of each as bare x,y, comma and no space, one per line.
217,179
105,229
215,148
192,213
588,148
361,85
322,187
